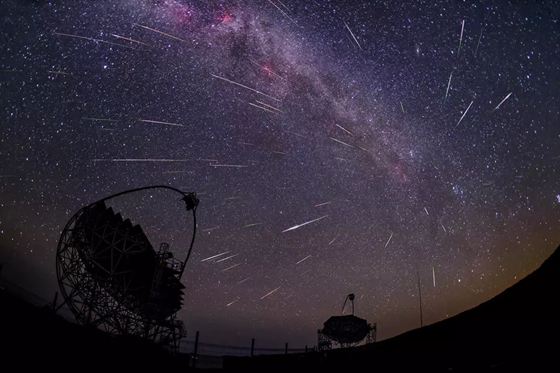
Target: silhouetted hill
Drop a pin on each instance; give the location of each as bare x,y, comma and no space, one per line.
516,330
32,337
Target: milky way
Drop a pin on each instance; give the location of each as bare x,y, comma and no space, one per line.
335,148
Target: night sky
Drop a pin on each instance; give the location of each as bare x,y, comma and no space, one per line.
415,138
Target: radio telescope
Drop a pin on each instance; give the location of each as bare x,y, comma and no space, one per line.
346,330
112,278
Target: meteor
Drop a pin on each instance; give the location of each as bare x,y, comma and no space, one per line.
465,113
448,85
129,39
58,72
232,302
262,108
159,32
389,240
478,44
461,37
251,225
284,13
244,86
91,39
99,119
269,106
344,129
226,258
353,36
139,160
215,256
304,259
501,102
228,165
160,122
211,229
341,142
270,292
231,267
303,224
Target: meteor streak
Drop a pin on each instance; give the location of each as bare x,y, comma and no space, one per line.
232,302
91,39
323,204
341,142
281,11
215,256
211,229
228,165
139,160
270,106
251,225
231,267
448,85
296,134
262,108
160,122
159,32
304,259
461,37
58,72
244,86
129,39
303,224
226,258
501,102
270,292
389,240
99,119
478,44
353,36
267,69
344,129
465,113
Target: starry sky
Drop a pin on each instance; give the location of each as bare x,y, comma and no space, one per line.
415,139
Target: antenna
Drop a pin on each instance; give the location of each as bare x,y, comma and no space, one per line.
420,297
350,297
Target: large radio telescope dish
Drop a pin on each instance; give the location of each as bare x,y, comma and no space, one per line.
112,278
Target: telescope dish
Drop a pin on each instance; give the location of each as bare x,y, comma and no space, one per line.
112,278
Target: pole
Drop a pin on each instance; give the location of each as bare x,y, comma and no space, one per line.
252,347
420,298
54,302
195,355
286,349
